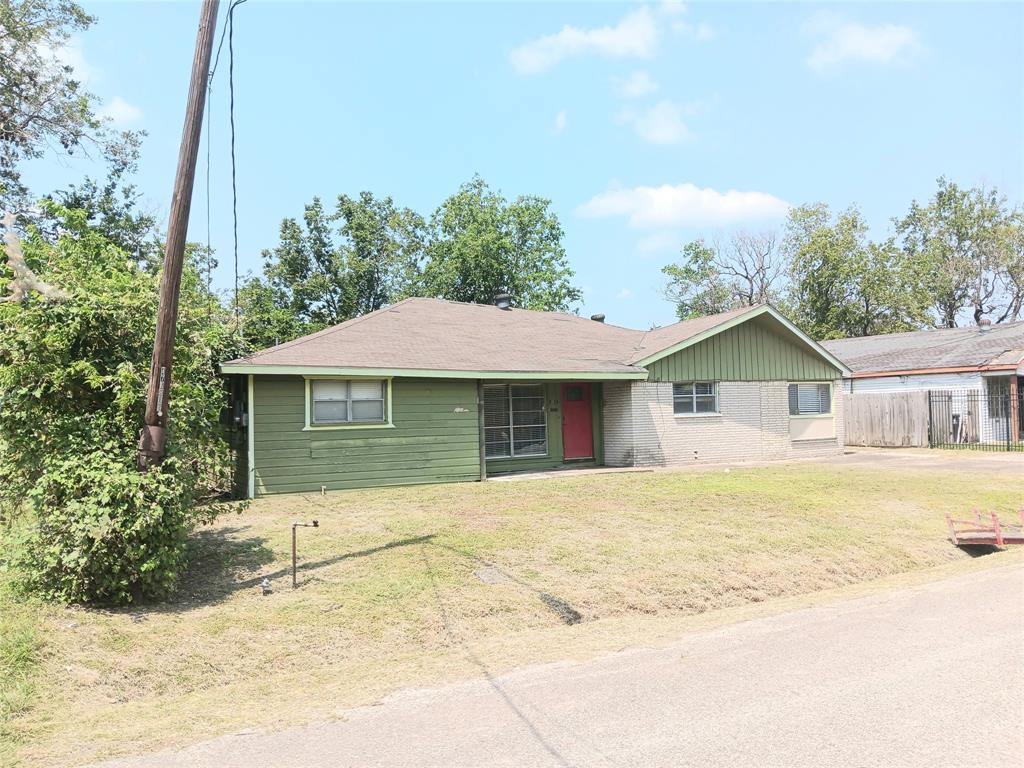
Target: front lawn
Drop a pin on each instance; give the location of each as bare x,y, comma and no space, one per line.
420,585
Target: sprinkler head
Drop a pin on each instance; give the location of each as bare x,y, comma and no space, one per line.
316,523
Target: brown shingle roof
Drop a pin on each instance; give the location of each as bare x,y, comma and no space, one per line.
657,339
939,348
437,335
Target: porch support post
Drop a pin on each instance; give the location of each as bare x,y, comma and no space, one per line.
1014,426
480,419
251,439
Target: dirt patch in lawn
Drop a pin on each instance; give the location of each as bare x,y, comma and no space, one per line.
391,593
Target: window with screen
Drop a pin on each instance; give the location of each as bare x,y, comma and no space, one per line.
694,397
998,398
810,399
515,421
358,401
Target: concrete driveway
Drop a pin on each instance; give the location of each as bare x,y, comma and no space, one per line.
927,676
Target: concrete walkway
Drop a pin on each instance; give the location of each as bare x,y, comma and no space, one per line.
895,459
928,676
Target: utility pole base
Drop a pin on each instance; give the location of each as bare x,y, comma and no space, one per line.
151,446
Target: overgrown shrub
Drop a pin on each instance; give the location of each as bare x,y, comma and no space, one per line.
73,376
106,532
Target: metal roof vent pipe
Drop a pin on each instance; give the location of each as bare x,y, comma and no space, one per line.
503,301
984,324
598,318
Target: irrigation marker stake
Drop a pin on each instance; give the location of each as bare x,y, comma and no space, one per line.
295,526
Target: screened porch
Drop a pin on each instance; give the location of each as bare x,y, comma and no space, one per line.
530,426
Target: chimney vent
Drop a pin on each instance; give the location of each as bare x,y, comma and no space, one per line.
598,318
503,301
984,324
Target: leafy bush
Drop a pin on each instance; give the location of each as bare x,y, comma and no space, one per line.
108,532
73,376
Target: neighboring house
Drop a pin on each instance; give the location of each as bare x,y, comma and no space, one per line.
436,391
975,373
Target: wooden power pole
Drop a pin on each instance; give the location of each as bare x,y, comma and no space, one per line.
154,432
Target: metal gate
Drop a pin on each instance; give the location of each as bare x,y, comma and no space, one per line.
975,420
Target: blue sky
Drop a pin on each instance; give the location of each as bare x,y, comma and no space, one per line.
646,125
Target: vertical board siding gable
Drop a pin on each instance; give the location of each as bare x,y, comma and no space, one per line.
747,352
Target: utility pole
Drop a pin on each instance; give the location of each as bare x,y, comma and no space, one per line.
154,432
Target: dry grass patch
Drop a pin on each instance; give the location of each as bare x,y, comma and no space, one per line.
420,585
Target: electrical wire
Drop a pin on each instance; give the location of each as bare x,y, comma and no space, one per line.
234,180
223,32
229,30
209,246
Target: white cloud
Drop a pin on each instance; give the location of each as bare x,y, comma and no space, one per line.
635,36
121,113
636,85
70,54
683,205
660,124
625,293
841,41
561,123
672,8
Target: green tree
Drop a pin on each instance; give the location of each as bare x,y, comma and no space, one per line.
369,253
842,284
306,270
481,245
744,271
42,104
384,248
111,206
965,241
695,285
267,317
331,267
73,372
1013,273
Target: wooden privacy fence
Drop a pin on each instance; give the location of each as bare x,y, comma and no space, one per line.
888,420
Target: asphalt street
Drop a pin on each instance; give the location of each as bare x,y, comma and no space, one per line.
926,676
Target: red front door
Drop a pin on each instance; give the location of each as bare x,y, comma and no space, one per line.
577,424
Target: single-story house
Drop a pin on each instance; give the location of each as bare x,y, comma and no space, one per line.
976,374
428,390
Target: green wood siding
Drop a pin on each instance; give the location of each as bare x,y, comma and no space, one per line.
554,459
429,443
758,350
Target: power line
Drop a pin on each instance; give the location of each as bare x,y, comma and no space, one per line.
231,8
209,245
231,112
229,31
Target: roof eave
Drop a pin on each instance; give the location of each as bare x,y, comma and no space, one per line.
927,371
311,371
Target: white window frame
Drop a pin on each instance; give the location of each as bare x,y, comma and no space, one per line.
312,426
831,400
511,426
692,398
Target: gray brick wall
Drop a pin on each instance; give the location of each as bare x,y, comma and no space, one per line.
618,424
640,428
